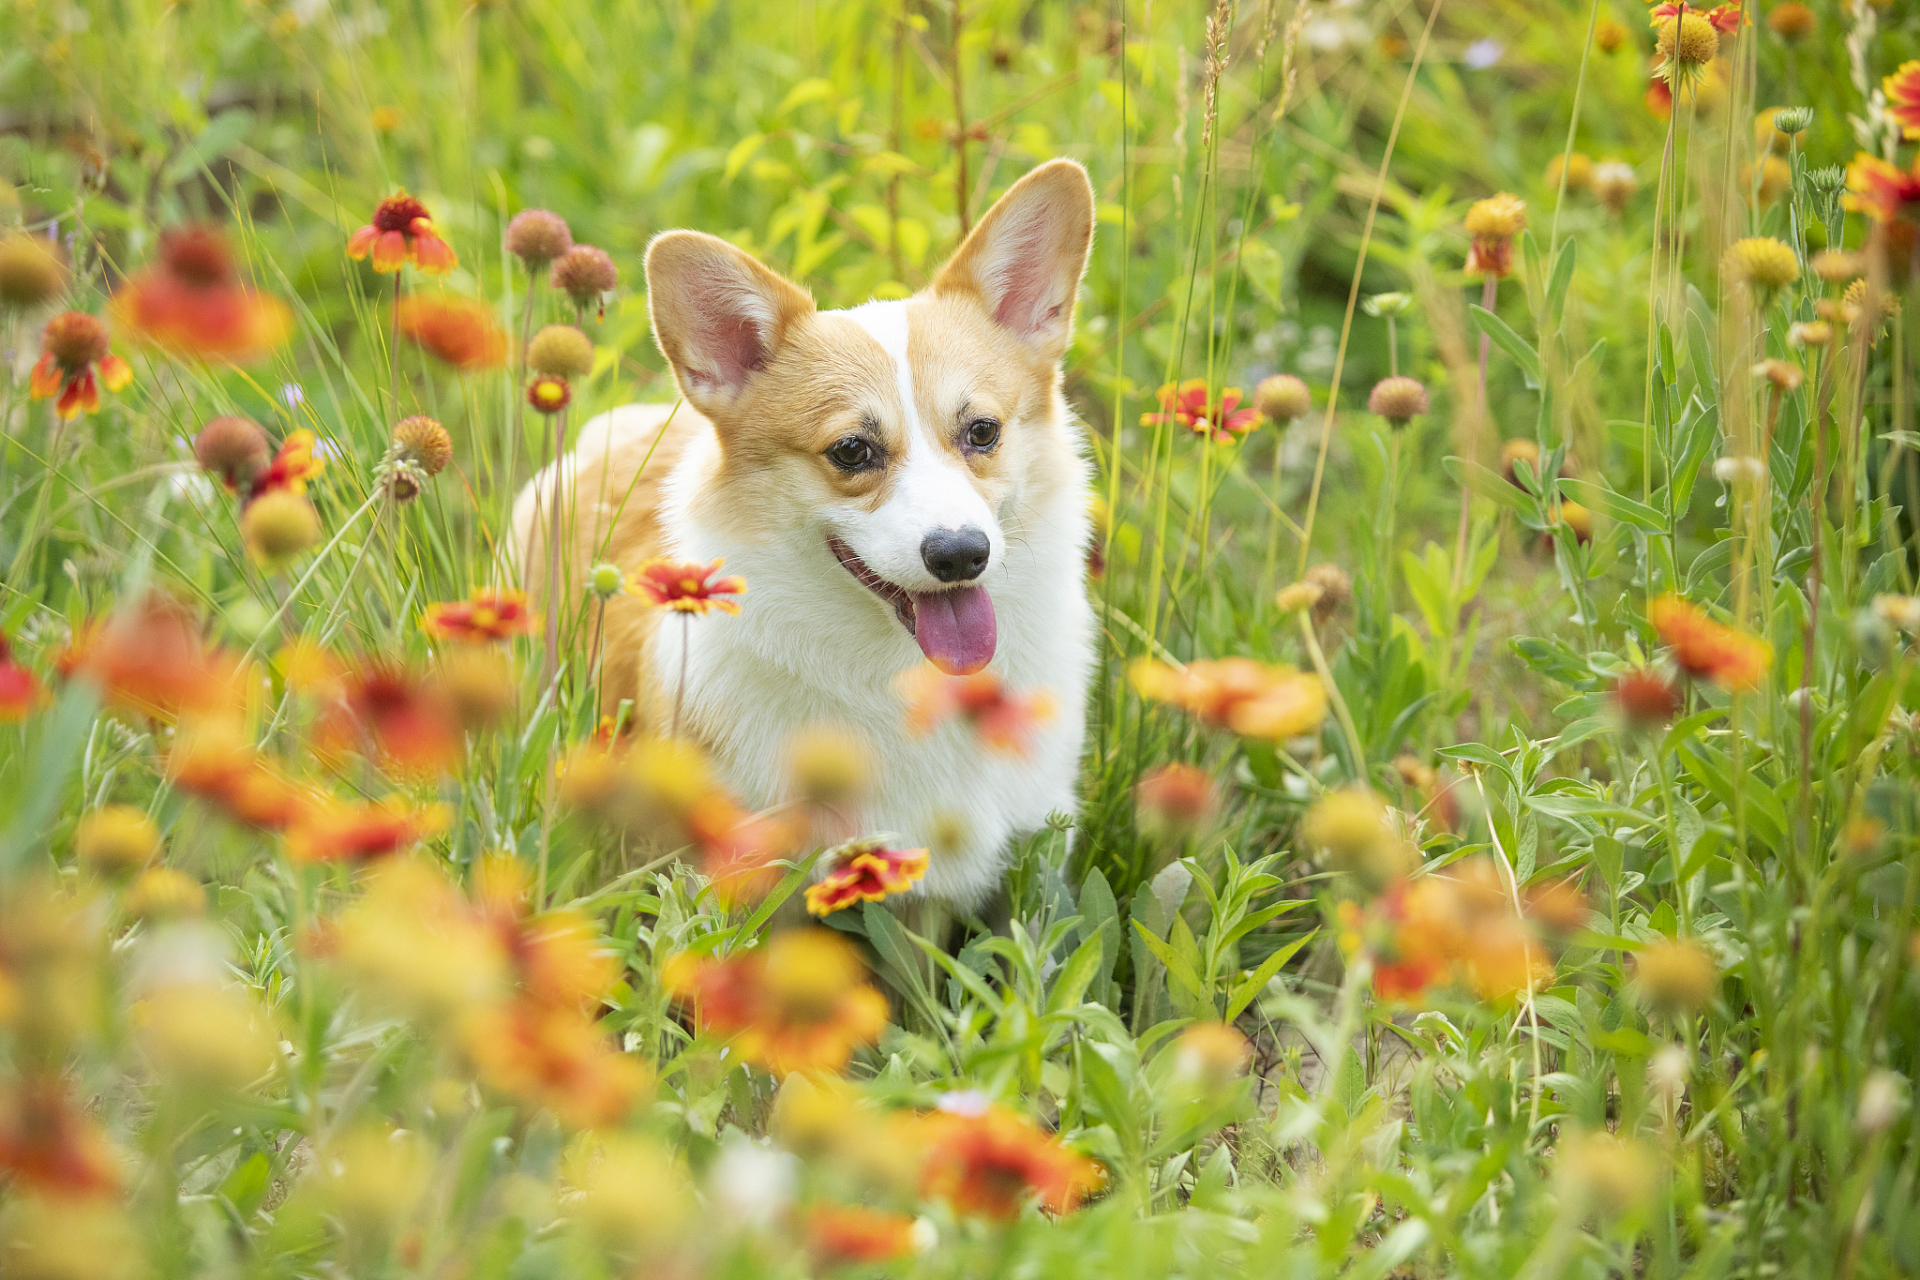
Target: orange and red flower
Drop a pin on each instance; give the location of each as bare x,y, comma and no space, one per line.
483,616
1646,698
192,301
851,1234
800,1003
988,1162
461,332
1880,189
1725,18
1002,719
293,465
865,871
75,362
1708,650
150,658
687,586
19,691
549,394
554,1058
385,709
1903,97
402,232
1190,405
48,1145
358,831
214,760
1251,698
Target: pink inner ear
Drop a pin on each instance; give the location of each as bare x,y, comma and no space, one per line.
731,330
1023,276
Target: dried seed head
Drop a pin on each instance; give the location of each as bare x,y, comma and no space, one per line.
278,526
75,340
1296,596
1763,264
1791,21
1784,376
1812,333
1689,40
1398,399
1335,588
583,273
561,350
234,449
425,441
1614,183
31,273
1282,398
537,237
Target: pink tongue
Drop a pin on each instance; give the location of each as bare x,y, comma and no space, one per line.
955,628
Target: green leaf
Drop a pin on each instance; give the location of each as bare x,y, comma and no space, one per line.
1250,987
1473,476
738,155
1508,341
1614,506
814,90
1070,985
1562,277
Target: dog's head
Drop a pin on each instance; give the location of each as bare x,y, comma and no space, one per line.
896,437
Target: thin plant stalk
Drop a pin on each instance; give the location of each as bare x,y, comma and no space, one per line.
680,689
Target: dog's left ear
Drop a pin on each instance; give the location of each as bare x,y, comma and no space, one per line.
1024,261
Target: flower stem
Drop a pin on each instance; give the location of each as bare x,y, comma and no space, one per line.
680,690
1340,711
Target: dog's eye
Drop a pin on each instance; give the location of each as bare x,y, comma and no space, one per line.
855,453
983,433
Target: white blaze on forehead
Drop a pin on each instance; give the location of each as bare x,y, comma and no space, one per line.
886,324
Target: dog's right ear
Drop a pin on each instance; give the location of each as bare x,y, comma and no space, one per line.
718,315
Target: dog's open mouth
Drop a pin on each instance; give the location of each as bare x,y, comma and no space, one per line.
955,628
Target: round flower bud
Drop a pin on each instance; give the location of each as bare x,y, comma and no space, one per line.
116,837
1689,40
606,581
1579,520
537,237
1675,975
1335,589
548,394
425,441
161,893
1579,171
1791,21
1517,450
1282,398
829,766
1836,266
31,273
1811,333
1614,183
1763,264
278,526
561,350
233,448
1398,399
583,273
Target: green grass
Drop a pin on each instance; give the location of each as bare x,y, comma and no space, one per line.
1763,1129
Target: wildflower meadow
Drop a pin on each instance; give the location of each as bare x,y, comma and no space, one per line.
1497,845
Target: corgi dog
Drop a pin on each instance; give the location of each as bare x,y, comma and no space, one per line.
898,483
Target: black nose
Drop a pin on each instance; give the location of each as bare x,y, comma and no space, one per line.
955,555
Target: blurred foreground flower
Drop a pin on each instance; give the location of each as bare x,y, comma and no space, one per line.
1647,699
1613,1175
205,1037
1881,189
686,586
355,831
19,691
484,616
150,658
461,332
31,272
215,760
990,1162
1251,698
1493,223
388,710
853,1235
799,1003
191,302
1189,405
1175,801
279,527
1002,719
49,1145
1903,97
864,871
1709,650
294,464
402,232
116,837
1675,975
75,362
1351,827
